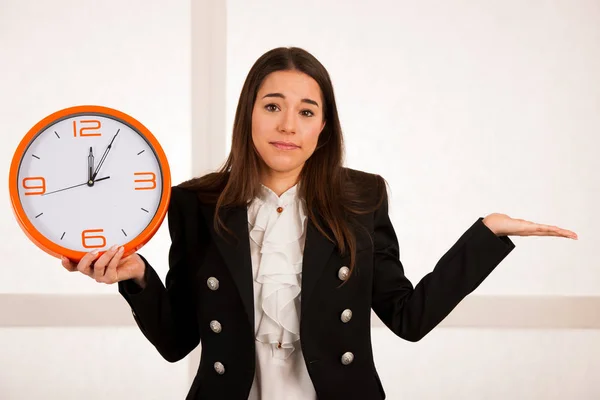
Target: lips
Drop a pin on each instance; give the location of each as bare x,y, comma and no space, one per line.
285,145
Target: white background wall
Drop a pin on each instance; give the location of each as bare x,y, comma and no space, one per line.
466,108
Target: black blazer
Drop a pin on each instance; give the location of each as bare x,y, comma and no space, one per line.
210,279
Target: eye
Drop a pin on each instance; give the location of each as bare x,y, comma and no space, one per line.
271,107
310,113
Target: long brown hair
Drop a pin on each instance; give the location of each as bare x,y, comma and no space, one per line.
331,196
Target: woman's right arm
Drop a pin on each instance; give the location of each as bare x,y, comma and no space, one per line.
165,314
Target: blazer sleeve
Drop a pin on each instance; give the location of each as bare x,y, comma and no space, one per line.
166,314
410,312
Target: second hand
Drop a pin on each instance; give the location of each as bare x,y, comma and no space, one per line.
71,187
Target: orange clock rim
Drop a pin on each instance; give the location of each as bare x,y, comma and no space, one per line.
48,245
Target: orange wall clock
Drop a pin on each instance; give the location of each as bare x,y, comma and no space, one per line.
89,177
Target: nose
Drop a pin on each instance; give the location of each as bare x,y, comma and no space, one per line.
287,123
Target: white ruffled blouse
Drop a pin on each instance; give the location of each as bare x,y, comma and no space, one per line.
277,226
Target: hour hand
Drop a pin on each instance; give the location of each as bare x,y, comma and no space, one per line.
90,181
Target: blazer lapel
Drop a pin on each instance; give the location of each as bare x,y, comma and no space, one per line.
236,253
317,250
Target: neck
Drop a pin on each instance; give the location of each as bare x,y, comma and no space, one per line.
278,181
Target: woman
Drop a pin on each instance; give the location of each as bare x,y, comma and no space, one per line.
278,258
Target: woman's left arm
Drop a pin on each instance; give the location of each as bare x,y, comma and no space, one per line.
410,312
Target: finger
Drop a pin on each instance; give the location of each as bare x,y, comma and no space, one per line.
68,264
566,233
111,275
556,231
102,262
85,264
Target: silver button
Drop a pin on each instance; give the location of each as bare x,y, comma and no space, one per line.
347,358
215,326
346,315
344,273
213,283
219,368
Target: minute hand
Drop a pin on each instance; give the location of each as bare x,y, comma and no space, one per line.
104,156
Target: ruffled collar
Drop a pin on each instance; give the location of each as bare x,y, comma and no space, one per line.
268,196
277,227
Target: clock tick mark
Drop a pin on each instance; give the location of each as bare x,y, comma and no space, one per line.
145,210
63,235
33,155
38,215
56,134
141,152
123,232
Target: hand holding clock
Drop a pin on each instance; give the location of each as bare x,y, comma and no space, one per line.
110,267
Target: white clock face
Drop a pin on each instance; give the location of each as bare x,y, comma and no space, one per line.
82,194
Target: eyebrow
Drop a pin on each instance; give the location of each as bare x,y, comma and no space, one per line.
309,101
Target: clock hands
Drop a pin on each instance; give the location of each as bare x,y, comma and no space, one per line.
74,186
90,167
91,176
104,157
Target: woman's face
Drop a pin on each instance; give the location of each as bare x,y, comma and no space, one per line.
286,121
